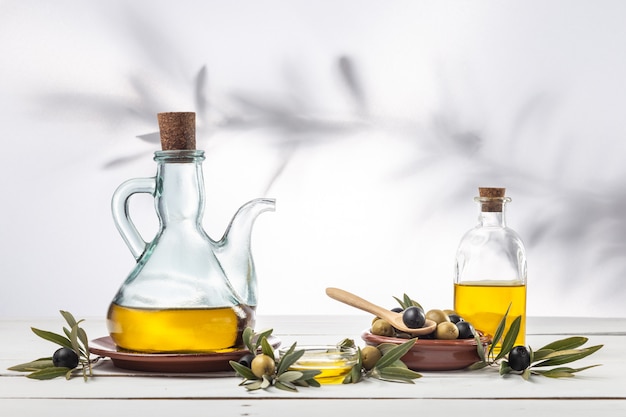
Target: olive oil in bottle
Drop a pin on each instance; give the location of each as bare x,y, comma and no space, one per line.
484,303
490,269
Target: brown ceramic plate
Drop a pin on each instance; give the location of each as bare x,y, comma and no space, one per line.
434,355
169,362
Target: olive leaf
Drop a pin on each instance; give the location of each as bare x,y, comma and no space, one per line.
74,339
346,343
398,364
509,338
50,373
566,356
35,365
480,349
556,373
561,372
82,336
53,337
390,367
386,347
309,374
242,370
289,376
401,302
258,338
289,359
499,330
567,343
266,348
396,374
395,353
356,372
254,385
504,368
308,379
541,354
246,337
312,382
69,318
477,365
266,381
407,302
286,386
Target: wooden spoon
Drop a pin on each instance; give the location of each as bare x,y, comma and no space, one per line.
393,318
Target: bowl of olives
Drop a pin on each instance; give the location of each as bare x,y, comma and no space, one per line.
452,345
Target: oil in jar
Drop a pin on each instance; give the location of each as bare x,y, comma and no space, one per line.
179,329
330,372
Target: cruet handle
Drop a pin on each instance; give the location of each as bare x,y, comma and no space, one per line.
121,215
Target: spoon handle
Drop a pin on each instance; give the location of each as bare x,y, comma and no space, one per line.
356,301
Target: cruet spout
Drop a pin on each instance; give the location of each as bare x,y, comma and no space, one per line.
234,250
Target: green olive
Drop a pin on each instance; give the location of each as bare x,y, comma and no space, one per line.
438,316
382,328
262,365
447,331
369,356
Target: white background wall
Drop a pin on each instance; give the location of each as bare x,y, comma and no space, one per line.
371,122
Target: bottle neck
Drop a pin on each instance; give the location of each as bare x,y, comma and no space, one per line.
492,218
179,186
492,211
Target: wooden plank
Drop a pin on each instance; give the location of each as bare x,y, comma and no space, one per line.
310,407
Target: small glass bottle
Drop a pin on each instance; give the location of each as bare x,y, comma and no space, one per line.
490,269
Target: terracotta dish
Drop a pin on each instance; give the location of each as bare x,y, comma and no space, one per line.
169,362
434,355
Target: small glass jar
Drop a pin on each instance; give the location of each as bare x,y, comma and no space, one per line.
333,362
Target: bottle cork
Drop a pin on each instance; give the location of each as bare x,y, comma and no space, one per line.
492,198
178,130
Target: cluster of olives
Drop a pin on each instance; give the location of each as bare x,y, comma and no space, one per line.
449,324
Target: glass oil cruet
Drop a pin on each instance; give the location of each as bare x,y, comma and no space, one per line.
490,269
187,292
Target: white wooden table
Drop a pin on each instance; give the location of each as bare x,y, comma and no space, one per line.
600,390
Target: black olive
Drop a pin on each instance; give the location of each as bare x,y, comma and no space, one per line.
413,317
519,358
397,310
65,358
246,360
455,318
466,330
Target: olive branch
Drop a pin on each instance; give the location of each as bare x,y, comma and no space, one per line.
524,360
388,367
74,339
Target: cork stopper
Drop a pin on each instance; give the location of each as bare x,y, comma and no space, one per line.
492,199
178,130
